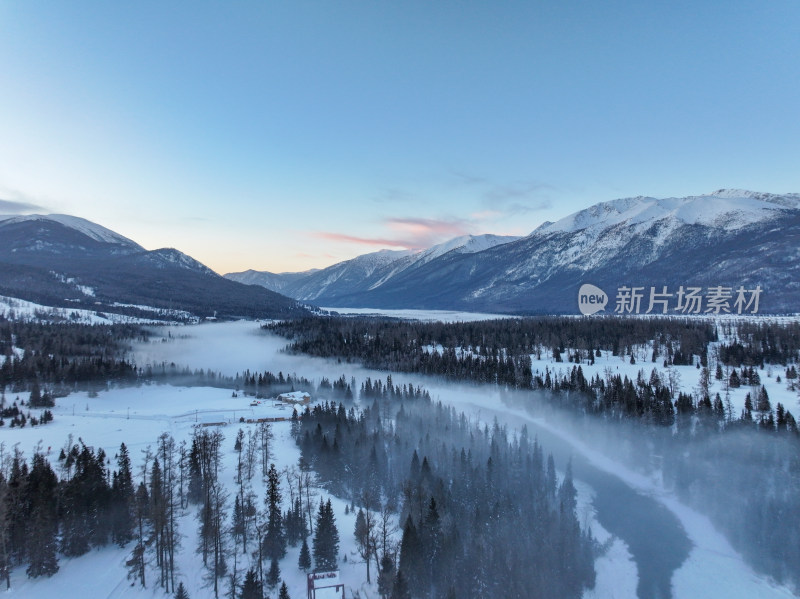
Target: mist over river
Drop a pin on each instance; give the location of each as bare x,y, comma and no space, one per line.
668,560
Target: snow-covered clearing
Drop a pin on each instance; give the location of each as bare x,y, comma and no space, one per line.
713,569
425,315
18,309
137,416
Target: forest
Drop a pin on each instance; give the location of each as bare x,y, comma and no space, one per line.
465,495
374,440
742,469
483,512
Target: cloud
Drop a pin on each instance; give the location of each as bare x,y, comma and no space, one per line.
429,226
16,207
374,241
412,233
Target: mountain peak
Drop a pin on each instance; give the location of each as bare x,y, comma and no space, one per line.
726,208
81,225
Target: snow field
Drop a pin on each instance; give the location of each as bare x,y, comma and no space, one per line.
25,310
712,570
153,410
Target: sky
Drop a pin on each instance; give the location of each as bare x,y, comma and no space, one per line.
284,136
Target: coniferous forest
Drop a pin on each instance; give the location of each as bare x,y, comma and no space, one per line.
435,493
742,469
483,513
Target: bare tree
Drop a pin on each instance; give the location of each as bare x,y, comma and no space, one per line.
264,438
251,453
366,537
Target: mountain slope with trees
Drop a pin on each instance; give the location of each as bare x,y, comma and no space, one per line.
63,261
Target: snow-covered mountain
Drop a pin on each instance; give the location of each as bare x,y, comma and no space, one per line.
70,262
726,238
80,225
364,273
275,282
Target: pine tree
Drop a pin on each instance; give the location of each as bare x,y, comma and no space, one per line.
181,592
195,490
43,528
284,592
274,574
304,562
136,561
412,562
251,587
326,539
763,404
400,588
365,538
386,576
122,499
274,540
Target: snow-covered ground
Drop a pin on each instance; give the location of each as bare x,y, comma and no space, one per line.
139,415
18,309
688,377
426,315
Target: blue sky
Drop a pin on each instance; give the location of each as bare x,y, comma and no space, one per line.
290,135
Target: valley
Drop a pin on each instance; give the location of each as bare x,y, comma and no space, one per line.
614,482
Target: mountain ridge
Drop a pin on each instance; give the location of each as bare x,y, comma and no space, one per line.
368,271
728,237
70,262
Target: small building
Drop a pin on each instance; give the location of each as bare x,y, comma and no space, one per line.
325,585
295,397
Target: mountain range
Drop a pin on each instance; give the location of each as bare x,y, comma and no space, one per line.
66,261
728,238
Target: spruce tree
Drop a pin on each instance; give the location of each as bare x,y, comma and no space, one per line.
400,588
274,574
326,539
274,539
251,587
412,562
195,490
181,592
304,562
284,592
386,576
43,527
122,493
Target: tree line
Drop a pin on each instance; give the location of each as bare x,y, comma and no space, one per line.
483,513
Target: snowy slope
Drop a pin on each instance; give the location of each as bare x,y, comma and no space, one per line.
728,237
69,262
272,281
466,244
88,228
365,272
726,208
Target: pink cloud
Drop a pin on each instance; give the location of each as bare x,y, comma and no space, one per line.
412,233
429,226
376,241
